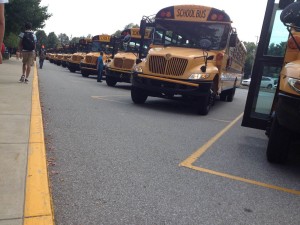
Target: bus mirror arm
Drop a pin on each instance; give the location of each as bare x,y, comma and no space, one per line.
203,68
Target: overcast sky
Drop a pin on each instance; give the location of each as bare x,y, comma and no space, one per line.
80,18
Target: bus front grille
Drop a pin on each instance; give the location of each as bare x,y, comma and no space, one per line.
124,63
91,59
172,67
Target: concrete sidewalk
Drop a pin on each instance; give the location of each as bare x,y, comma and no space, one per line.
24,189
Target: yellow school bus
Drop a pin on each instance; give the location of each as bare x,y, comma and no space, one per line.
83,47
196,56
121,66
100,43
277,111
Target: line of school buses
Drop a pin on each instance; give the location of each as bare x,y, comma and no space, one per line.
189,52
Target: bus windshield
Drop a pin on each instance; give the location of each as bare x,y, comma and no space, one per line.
189,34
100,46
133,45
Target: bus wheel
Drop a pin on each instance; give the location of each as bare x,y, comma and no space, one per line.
72,70
110,81
84,74
138,96
279,141
231,94
204,104
223,96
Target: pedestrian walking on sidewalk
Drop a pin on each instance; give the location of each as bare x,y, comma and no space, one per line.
2,24
42,56
100,67
27,45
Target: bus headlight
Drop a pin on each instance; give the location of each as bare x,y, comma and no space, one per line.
138,69
198,76
295,84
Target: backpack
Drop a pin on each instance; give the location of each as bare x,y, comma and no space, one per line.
28,41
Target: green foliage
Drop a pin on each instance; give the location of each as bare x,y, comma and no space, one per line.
63,39
251,50
52,40
41,37
277,49
12,40
131,25
75,40
19,11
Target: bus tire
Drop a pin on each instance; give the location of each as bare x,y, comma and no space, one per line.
231,94
203,105
72,70
84,74
110,81
223,96
138,96
279,141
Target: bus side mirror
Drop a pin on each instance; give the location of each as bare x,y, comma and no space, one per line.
142,27
233,39
284,3
291,14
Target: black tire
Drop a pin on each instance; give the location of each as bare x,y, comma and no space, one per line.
223,96
269,86
110,81
279,142
84,74
138,96
203,105
231,94
72,70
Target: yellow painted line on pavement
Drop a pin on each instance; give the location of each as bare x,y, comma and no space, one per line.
104,98
38,202
197,154
192,158
232,177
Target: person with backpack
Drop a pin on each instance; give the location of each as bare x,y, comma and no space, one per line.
27,46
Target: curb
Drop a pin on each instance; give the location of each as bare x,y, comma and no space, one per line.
38,208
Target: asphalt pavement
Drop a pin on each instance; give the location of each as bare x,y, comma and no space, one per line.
25,196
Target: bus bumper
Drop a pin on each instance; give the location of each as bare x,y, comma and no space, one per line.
169,87
119,76
73,66
90,69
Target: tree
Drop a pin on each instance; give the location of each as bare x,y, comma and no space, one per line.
41,37
75,40
63,39
131,25
52,40
12,41
251,50
19,11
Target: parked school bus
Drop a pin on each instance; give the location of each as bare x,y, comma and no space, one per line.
83,47
277,111
198,57
120,68
100,43
68,50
